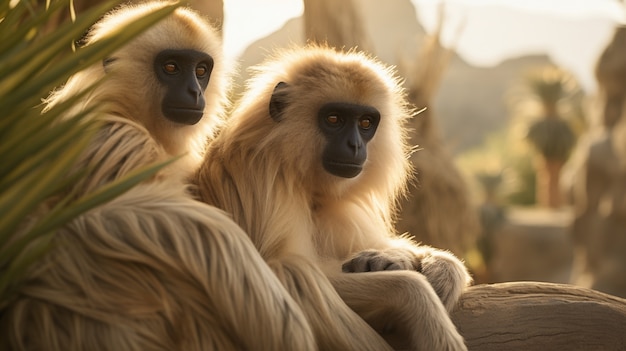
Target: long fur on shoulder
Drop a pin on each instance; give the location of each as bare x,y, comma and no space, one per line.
151,270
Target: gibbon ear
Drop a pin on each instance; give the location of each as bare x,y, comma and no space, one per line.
278,101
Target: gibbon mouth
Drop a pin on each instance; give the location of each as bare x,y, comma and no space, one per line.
343,169
187,116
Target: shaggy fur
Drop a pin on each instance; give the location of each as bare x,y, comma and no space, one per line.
269,175
153,269
131,88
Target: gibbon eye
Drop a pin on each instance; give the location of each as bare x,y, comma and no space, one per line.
365,123
170,68
332,119
201,71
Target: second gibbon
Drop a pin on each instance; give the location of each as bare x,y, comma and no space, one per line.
311,164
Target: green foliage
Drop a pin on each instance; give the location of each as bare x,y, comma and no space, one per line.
551,135
502,166
523,193
553,138
550,84
37,150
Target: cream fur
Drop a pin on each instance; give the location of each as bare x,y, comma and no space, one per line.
269,175
153,269
131,89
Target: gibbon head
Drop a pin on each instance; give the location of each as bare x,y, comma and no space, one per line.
338,117
171,79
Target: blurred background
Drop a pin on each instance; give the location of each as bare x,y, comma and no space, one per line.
521,161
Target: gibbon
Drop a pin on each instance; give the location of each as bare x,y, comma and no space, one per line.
310,164
172,79
153,269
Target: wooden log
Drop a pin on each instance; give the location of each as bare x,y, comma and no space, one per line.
540,316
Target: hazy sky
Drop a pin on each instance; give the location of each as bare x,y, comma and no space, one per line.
248,20
572,32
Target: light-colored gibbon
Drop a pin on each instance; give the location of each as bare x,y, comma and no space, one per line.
310,164
172,79
153,269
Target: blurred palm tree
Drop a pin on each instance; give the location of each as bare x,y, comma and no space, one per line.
551,135
38,150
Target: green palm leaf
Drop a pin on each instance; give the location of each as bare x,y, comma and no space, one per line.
37,151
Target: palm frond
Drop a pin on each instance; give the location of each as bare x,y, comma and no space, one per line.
38,150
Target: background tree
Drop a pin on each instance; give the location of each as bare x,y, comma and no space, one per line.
600,183
611,77
337,23
438,210
550,134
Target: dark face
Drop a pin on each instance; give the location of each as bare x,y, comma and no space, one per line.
185,75
347,128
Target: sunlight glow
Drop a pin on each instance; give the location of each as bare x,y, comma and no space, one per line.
484,32
574,8
248,20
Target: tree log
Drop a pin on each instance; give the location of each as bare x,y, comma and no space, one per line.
540,316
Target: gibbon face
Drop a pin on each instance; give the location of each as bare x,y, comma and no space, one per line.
185,76
346,127
169,69
345,124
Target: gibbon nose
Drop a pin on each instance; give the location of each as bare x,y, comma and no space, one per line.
354,142
195,91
